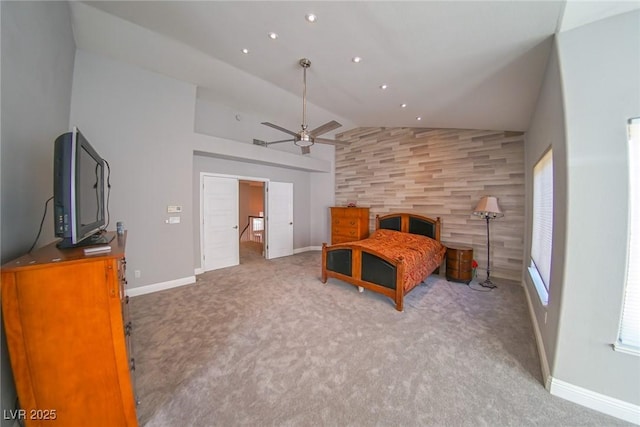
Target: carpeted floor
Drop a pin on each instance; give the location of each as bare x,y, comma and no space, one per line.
266,343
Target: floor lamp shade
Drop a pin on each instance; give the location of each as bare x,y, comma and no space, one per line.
488,209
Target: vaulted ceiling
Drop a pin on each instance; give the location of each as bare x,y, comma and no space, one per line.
454,64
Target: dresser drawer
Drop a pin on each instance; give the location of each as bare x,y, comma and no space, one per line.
351,232
345,222
351,212
342,239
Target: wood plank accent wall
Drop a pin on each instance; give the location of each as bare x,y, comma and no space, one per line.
441,172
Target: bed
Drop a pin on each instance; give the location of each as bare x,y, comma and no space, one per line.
404,249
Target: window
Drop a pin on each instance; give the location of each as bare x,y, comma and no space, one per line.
257,228
258,224
542,227
629,335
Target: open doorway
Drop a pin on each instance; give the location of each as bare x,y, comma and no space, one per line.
251,219
240,212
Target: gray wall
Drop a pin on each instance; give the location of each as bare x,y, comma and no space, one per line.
590,90
142,124
547,131
37,71
600,67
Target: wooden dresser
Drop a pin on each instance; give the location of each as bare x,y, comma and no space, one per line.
349,224
459,259
67,328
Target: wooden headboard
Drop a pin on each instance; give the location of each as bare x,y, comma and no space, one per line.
410,223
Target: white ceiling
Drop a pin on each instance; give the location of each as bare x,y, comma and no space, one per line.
456,64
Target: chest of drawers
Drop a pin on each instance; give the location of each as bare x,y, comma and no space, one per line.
67,326
349,224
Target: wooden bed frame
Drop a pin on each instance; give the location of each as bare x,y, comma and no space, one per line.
368,269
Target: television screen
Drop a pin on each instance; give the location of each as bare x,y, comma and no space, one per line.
79,198
89,188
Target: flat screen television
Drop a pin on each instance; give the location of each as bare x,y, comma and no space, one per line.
78,191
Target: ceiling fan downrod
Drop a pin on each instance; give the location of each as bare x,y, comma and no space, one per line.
304,63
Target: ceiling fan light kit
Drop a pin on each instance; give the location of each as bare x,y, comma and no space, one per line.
304,138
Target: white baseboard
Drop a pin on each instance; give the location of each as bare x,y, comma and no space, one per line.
307,249
590,399
596,401
147,289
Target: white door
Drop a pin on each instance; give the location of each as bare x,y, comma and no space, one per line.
279,219
220,233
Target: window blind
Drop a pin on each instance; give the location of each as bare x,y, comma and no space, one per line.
629,337
542,227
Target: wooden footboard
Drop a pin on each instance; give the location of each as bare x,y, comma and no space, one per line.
363,268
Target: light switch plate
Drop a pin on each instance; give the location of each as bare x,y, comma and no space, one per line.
174,220
174,209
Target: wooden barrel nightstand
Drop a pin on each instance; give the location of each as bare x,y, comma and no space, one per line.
459,259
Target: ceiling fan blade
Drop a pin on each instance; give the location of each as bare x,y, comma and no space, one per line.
327,127
280,128
306,150
280,140
330,141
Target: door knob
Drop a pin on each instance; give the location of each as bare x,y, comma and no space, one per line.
290,223
235,226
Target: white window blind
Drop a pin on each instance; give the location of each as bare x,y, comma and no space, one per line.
629,339
542,227
258,224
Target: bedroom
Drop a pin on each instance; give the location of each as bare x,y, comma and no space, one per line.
136,103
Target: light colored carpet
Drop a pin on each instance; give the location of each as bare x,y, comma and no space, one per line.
266,343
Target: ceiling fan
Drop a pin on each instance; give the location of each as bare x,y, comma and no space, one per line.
304,138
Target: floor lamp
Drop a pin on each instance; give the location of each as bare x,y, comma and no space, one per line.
488,209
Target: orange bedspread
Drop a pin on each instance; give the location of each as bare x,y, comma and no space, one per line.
422,255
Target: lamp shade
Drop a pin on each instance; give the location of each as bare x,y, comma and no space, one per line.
488,208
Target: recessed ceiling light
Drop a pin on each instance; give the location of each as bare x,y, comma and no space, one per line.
245,50
273,36
383,87
311,17
418,118
356,59
403,105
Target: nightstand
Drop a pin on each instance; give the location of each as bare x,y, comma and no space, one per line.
459,259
